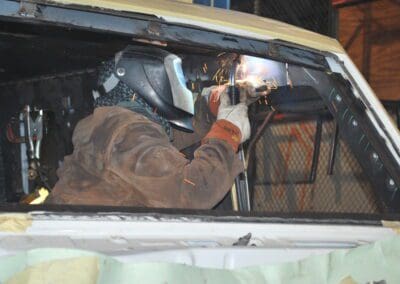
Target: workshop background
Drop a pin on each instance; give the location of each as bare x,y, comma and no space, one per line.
291,171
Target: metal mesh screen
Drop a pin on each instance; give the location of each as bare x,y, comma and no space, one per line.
283,167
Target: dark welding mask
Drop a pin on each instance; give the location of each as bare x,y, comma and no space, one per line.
156,76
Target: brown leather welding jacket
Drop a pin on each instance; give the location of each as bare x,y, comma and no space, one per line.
121,158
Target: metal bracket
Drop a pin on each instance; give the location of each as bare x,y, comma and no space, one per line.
34,132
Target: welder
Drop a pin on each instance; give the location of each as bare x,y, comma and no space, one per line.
127,153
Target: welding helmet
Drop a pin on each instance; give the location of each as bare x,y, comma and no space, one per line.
157,77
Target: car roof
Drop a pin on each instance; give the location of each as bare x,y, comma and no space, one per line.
223,20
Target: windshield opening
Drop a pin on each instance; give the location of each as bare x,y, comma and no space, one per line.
312,148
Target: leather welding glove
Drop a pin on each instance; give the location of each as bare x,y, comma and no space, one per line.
232,125
235,114
246,88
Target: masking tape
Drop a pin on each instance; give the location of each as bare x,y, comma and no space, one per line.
80,270
394,225
348,280
16,223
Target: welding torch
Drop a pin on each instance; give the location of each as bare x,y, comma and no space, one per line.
240,193
233,90
262,89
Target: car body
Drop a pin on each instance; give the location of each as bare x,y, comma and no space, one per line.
207,238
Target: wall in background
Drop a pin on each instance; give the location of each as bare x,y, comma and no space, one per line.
370,32
317,16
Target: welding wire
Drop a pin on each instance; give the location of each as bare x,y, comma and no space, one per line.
220,54
235,204
245,191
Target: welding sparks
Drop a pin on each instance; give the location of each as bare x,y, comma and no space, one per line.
225,61
260,72
252,69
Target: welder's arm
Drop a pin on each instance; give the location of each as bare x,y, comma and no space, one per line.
209,176
152,171
232,127
168,179
202,121
206,112
204,181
